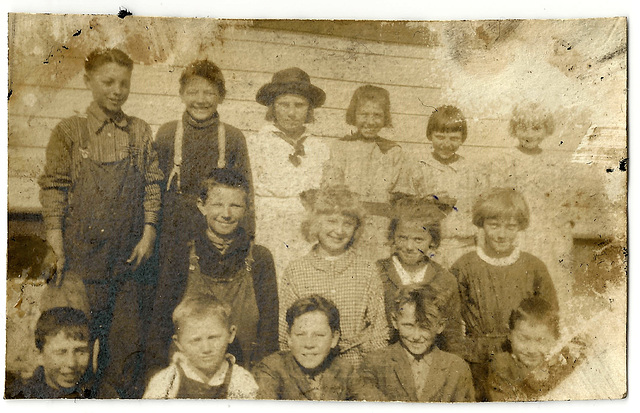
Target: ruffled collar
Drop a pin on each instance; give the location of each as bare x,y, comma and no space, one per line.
499,262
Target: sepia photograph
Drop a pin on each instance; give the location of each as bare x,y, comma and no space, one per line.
327,210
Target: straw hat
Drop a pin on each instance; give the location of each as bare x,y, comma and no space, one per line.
293,81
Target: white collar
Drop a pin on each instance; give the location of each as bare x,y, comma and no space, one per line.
272,129
193,373
499,262
408,277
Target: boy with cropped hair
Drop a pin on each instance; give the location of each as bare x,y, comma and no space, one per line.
414,369
64,354
311,369
202,368
531,364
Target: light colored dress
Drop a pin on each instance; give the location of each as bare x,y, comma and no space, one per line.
426,176
370,168
277,184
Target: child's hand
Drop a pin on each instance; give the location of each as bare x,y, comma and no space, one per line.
53,262
144,248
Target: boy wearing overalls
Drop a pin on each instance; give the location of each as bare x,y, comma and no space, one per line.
101,197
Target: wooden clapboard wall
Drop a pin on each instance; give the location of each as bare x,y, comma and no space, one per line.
46,78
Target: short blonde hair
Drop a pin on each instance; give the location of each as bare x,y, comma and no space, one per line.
331,200
199,306
501,203
529,114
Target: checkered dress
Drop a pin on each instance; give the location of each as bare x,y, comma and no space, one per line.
352,283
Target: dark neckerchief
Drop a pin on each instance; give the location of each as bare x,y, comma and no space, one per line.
296,144
533,151
385,145
216,264
445,161
187,119
298,151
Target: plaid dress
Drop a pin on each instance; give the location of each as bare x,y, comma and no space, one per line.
354,286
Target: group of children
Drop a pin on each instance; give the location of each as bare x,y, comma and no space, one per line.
365,314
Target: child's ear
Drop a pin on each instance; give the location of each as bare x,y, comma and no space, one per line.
177,342
200,205
232,333
394,322
440,328
335,339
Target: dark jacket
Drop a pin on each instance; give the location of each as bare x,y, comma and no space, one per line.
280,377
386,376
36,387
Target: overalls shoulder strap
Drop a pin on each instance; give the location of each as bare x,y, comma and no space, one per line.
177,151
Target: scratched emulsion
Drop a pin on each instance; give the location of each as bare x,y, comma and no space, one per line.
575,69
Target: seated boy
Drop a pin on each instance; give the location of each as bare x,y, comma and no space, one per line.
414,369
202,368
528,369
311,369
64,353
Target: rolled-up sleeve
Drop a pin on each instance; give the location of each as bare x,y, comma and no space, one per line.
56,180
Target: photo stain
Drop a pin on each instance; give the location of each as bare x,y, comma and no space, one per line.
122,13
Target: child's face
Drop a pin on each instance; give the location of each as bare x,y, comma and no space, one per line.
290,112
500,236
530,135
204,340
224,209
311,339
531,341
370,118
200,97
446,144
335,232
109,85
417,339
65,360
411,240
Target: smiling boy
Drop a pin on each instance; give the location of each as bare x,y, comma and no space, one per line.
310,370
100,195
223,261
64,354
202,368
414,369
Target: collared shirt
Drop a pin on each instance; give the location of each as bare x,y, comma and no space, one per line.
354,286
166,383
420,367
407,277
109,140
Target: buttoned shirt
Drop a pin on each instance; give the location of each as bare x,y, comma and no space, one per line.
110,139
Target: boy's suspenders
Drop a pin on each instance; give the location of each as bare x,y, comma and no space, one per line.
177,152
